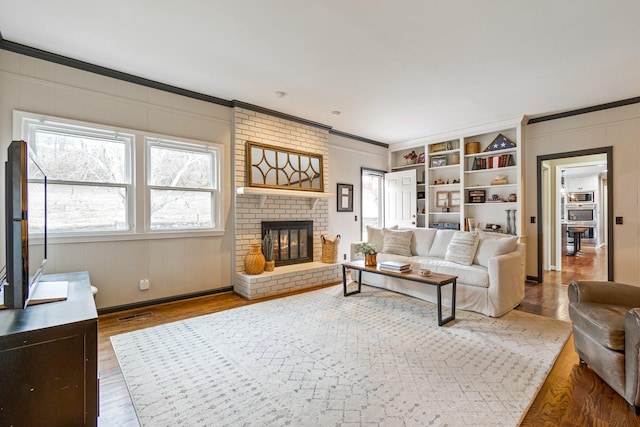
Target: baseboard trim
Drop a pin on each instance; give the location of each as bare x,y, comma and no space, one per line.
147,303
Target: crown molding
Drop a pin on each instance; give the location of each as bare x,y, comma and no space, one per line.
119,75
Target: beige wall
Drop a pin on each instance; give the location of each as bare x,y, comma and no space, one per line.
347,157
618,128
174,266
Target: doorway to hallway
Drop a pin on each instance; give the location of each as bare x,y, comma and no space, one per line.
558,212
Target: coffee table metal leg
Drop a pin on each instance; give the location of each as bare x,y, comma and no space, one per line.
442,321
344,282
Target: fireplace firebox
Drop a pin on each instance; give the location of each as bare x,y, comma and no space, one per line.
293,241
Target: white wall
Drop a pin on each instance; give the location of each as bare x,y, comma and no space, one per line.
173,266
619,128
347,157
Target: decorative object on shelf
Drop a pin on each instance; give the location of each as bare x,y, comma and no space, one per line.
267,251
411,157
512,197
254,260
454,198
495,228
500,142
499,180
438,161
511,217
441,146
456,181
330,249
276,167
421,158
345,198
455,159
476,196
446,209
442,199
495,198
369,252
438,181
472,147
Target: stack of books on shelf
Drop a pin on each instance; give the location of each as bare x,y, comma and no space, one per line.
398,267
492,162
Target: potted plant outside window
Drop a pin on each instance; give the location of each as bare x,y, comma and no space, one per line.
369,252
267,250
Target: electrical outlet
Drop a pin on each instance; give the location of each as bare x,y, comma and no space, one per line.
144,284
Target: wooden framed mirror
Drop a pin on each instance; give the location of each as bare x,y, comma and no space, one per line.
277,167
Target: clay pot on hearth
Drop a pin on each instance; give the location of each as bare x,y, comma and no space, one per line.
254,260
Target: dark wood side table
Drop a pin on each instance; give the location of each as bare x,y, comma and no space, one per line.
49,359
435,279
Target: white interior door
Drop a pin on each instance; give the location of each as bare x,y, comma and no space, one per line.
400,198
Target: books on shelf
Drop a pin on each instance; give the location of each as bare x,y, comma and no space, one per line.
493,162
398,267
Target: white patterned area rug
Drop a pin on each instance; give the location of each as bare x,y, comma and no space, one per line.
320,359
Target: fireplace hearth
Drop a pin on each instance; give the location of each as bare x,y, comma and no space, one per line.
293,241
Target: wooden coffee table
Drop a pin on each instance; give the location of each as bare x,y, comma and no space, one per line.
435,279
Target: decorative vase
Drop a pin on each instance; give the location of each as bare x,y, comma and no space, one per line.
412,161
254,260
371,259
269,265
513,227
508,211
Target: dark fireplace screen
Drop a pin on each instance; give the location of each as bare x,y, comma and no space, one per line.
293,241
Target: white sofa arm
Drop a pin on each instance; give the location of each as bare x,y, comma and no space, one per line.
506,286
353,256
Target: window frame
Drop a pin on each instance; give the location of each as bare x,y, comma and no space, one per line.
182,144
138,199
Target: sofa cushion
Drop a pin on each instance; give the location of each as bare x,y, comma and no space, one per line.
440,243
462,247
397,242
375,236
422,241
603,322
493,244
472,275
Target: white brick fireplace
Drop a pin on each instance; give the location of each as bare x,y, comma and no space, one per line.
251,209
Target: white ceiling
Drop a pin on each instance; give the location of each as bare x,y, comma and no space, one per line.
396,70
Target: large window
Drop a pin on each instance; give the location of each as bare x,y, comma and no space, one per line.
93,190
372,200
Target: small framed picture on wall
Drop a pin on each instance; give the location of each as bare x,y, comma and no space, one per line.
345,198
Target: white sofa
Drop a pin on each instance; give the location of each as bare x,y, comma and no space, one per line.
492,283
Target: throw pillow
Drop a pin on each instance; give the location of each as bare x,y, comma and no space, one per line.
462,247
375,236
440,243
493,244
397,242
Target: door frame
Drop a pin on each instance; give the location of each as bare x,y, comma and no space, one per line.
540,159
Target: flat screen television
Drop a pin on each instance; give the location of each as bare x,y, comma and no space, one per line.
25,214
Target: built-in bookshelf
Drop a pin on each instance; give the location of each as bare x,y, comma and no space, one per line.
468,179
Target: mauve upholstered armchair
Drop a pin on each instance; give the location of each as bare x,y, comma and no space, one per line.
606,330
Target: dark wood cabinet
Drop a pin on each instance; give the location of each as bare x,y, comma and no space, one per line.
48,360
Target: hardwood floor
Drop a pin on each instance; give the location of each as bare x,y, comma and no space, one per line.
572,395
